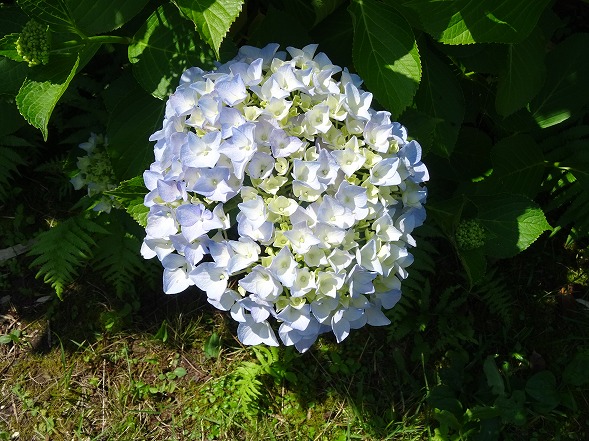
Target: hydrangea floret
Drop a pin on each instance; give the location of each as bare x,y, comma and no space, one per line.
278,191
94,170
33,43
470,235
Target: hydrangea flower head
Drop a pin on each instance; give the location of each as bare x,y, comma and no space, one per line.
278,191
95,172
470,235
33,43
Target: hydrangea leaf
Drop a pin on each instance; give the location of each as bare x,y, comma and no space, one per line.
163,48
55,13
13,74
136,116
212,19
277,27
518,166
513,222
566,89
43,88
483,21
130,194
8,47
97,16
11,120
323,8
523,75
385,54
440,97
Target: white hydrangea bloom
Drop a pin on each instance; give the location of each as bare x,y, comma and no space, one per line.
95,172
278,191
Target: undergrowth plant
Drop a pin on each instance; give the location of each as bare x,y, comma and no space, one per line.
495,91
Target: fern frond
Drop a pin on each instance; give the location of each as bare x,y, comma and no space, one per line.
118,259
494,294
61,250
9,162
248,388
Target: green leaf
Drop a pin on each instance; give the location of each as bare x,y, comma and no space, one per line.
279,26
11,120
542,387
575,373
212,346
179,372
55,13
513,221
98,16
336,37
37,99
385,54
518,166
131,122
494,378
482,21
211,18
566,89
443,398
12,19
163,48
45,85
523,75
130,194
13,75
512,408
323,8
8,47
440,96
471,159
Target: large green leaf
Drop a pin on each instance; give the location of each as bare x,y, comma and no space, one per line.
130,194
164,47
136,116
211,18
481,21
12,19
440,96
336,37
518,166
523,75
37,99
45,85
97,16
13,74
8,47
385,54
513,222
55,13
566,90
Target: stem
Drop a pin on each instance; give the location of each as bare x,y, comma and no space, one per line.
108,39
114,39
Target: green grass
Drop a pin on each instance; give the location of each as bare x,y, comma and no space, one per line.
456,364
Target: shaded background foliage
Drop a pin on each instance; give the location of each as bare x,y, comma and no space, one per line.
496,92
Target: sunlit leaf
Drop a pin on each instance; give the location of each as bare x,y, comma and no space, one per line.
211,18
482,21
98,16
385,54
163,48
